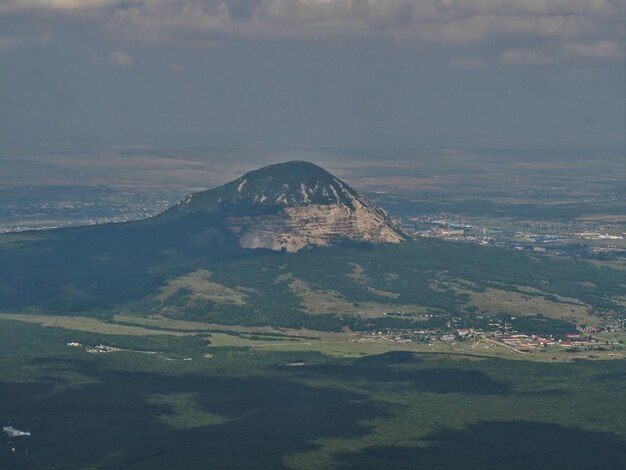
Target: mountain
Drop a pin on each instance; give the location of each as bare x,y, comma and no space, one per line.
290,206
193,262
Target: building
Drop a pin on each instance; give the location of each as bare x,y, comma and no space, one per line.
12,432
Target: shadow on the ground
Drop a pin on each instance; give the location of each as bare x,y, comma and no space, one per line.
499,445
111,422
403,368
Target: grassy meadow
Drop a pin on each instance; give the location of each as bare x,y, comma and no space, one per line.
201,405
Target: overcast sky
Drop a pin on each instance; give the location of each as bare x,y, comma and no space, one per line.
314,73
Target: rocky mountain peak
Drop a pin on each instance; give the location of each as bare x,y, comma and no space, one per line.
293,184
292,205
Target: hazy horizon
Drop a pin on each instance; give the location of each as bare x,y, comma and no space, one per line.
313,73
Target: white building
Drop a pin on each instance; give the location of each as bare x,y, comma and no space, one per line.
12,432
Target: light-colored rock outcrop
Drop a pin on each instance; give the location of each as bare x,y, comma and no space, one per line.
314,225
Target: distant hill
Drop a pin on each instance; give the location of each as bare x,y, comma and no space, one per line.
324,258
290,206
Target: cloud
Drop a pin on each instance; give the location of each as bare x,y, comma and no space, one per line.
578,27
243,9
469,63
13,5
598,50
9,42
525,57
120,58
455,21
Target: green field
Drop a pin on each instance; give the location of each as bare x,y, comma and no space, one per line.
186,351
196,405
138,334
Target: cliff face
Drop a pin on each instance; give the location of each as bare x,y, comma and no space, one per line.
314,225
290,206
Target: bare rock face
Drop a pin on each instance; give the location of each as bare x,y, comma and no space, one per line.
293,205
313,225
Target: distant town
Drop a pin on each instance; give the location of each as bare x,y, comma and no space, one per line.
84,208
578,238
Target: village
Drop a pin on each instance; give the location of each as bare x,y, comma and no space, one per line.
100,348
523,343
